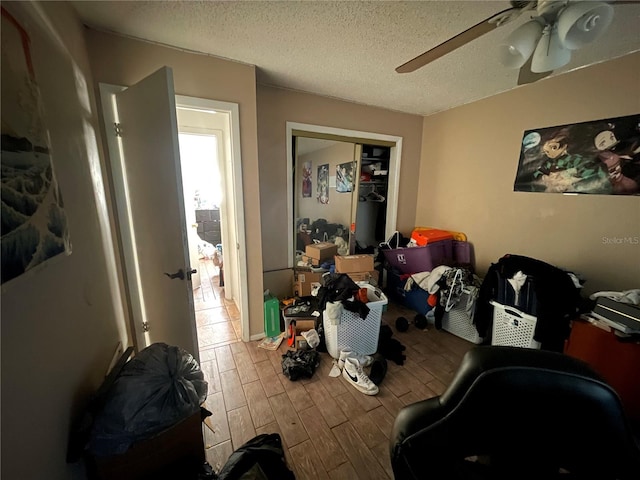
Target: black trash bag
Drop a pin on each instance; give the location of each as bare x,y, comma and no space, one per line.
261,458
300,364
159,387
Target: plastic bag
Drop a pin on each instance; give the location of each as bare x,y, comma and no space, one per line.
159,387
300,364
261,458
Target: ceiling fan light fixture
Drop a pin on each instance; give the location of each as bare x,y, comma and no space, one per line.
550,53
582,22
518,47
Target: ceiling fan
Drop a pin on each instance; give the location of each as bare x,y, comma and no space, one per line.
539,46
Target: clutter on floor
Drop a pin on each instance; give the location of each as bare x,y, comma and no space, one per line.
334,310
300,364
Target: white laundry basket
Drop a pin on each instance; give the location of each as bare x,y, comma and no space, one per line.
358,334
459,320
512,327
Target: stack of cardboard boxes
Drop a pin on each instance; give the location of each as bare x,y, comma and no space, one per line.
307,277
358,267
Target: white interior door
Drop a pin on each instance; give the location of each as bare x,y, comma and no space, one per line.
153,183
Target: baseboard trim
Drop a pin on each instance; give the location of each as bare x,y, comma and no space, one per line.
257,336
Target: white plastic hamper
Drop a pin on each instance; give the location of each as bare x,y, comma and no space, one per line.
459,320
358,334
512,327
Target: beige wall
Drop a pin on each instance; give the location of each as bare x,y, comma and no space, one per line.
62,321
469,162
123,61
338,210
276,107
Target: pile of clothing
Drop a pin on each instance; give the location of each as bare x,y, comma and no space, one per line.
445,285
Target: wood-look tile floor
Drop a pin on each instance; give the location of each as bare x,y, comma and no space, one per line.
329,429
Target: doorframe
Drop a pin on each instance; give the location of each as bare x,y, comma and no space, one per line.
233,191
124,233
352,136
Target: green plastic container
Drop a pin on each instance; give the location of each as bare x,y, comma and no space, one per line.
271,316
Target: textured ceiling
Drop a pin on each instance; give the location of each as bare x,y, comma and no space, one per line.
349,50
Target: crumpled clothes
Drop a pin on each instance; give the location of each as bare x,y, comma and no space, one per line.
300,364
427,280
626,296
452,283
333,312
517,281
312,338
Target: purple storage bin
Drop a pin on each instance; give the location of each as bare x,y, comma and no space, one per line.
420,259
461,251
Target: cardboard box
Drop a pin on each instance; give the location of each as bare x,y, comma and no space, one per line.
354,263
371,277
304,282
305,324
300,343
177,452
301,315
321,251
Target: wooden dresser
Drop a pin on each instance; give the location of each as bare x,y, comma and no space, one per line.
617,361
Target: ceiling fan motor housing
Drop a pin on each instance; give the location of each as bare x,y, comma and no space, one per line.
549,9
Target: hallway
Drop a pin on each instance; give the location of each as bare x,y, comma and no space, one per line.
217,319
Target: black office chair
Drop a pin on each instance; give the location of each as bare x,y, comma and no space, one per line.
514,413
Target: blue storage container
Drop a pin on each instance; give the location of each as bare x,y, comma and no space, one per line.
415,299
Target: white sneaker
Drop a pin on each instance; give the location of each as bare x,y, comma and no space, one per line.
353,373
363,360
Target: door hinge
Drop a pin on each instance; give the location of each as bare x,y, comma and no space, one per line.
145,326
118,129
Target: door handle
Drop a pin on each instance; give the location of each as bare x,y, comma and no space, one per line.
179,274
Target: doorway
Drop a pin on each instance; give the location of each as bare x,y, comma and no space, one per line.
221,120
202,135
147,328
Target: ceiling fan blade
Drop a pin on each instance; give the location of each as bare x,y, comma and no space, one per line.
527,76
459,40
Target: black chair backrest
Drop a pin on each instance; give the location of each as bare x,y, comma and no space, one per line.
527,413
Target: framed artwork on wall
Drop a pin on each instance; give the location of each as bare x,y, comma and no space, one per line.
344,177
323,184
601,157
306,180
34,223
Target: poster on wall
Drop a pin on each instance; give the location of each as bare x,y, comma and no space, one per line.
344,177
306,180
601,156
323,184
34,223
